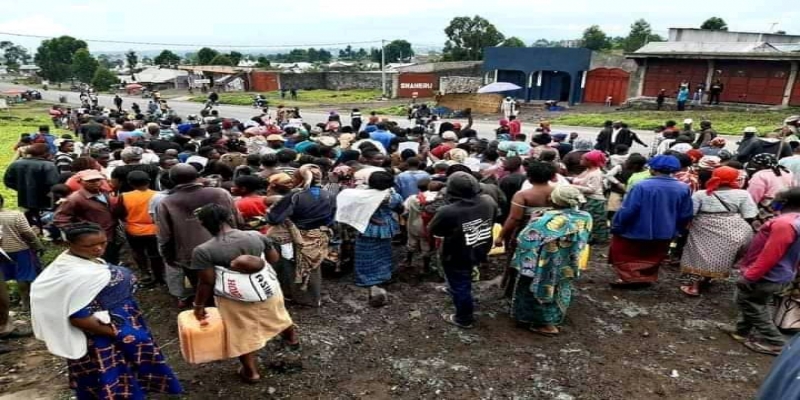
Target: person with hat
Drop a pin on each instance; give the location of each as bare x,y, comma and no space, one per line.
687,134
449,142
545,258
132,157
91,204
652,214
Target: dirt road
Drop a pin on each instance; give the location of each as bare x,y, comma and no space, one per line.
647,344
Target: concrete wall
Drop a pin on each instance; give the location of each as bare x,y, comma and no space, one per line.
479,103
460,84
607,60
333,80
703,35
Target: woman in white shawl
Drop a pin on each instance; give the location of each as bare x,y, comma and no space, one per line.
83,308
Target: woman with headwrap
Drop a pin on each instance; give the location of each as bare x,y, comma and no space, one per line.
652,214
590,183
768,179
720,230
687,174
310,208
547,260
713,147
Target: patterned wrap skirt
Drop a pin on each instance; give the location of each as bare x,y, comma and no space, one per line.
130,366
373,261
600,230
527,309
715,240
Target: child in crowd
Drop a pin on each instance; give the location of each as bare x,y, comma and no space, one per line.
416,222
19,261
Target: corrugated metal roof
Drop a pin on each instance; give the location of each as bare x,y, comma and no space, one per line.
439,66
706,48
159,75
787,47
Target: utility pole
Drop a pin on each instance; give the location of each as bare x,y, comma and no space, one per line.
383,68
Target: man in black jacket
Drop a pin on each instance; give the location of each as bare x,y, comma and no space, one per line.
32,178
715,91
465,226
605,137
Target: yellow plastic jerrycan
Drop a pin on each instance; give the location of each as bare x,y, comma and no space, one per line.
202,341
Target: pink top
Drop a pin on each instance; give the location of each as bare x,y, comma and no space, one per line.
764,184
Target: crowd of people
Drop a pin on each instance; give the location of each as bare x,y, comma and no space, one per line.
151,200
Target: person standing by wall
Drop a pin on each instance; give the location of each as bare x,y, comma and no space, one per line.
683,97
715,91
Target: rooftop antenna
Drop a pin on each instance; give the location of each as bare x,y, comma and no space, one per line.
772,27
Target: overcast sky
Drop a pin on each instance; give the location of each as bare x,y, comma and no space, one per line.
310,22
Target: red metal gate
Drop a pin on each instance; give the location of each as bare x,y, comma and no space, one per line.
795,99
668,75
604,82
262,81
760,82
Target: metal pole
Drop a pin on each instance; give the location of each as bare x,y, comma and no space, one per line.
383,68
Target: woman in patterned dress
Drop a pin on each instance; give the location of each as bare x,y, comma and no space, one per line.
547,258
83,308
719,231
590,183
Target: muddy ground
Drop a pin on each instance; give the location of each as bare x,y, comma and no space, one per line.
647,344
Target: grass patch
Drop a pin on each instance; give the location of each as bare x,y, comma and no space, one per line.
724,122
19,119
304,97
398,110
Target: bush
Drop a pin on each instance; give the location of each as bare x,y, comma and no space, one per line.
103,79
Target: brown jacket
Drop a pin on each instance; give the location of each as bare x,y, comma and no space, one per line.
179,231
83,206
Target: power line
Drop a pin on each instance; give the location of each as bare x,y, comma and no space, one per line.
196,45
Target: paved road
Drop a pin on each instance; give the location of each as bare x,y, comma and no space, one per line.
485,128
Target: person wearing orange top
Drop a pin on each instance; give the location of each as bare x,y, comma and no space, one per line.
250,204
140,230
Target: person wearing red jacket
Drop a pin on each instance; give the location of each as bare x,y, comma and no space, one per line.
769,266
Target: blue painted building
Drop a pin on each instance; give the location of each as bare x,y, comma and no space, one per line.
543,73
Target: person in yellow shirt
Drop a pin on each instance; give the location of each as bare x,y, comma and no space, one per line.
140,230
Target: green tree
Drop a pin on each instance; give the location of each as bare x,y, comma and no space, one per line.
263,62
542,43
513,41
205,55
167,58
147,60
235,57
397,51
780,32
103,79
54,57
14,55
84,65
467,37
595,39
715,24
641,33
104,61
221,59
131,59
361,54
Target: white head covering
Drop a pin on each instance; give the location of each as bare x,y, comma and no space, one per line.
66,286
